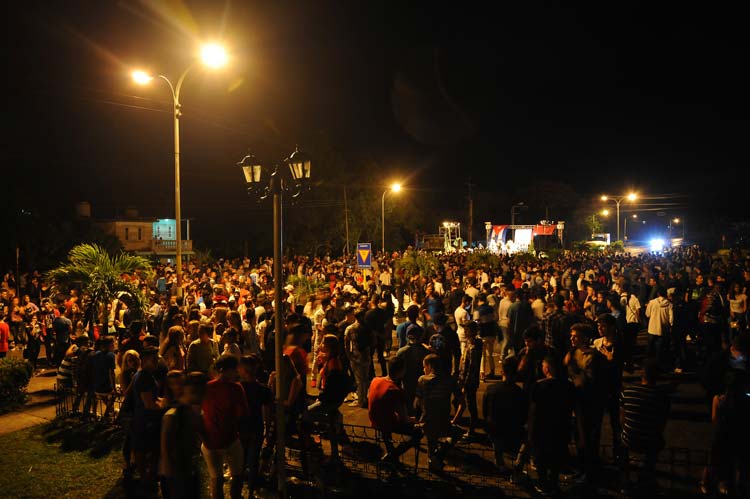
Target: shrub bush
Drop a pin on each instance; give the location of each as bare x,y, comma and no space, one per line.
305,287
415,263
483,258
15,375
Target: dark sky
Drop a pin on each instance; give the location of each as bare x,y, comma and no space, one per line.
607,96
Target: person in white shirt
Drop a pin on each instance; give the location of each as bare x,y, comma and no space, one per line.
483,278
461,314
385,277
438,286
503,321
472,291
660,318
537,306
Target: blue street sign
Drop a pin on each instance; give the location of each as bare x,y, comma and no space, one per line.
364,255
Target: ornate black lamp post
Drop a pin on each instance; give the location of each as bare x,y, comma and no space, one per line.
276,185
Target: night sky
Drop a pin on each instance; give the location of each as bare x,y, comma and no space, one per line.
605,97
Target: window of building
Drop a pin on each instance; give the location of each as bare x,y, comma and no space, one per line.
127,233
140,233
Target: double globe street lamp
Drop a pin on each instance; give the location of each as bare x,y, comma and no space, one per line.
632,197
262,186
212,56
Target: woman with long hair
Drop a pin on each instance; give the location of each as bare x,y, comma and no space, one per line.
173,349
131,362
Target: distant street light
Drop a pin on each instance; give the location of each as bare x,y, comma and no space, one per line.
605,212
634,216
213,56
676,221
632,196
395,188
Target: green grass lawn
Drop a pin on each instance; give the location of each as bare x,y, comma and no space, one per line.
32,468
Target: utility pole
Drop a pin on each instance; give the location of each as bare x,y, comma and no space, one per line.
471,214
346,224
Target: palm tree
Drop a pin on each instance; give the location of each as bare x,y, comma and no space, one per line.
102,277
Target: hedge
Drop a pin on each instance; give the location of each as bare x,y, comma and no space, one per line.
15,375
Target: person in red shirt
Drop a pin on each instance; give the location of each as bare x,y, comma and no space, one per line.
299,332
4,334
387,410
224,409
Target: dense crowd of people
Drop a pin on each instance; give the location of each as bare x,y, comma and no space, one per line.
196,371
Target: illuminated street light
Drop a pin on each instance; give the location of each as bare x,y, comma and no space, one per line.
213,56
676,221
605,212
141,77
619,199
634,216
395,188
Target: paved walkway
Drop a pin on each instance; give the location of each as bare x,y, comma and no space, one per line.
40,408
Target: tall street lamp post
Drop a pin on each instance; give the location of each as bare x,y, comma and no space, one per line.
625,225
276,186
676,221
619,199
212,56
395,188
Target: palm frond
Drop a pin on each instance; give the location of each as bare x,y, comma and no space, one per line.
91,270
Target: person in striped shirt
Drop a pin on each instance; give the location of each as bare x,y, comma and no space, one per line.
643,415
66,368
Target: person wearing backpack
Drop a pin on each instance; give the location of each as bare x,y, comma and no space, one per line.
359,341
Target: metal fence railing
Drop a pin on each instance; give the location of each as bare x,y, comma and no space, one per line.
69,401
470,463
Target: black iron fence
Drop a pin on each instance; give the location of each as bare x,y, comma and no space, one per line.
466,463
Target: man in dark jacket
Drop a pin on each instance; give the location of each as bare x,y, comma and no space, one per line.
505,409
549,424
412,355
520,317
